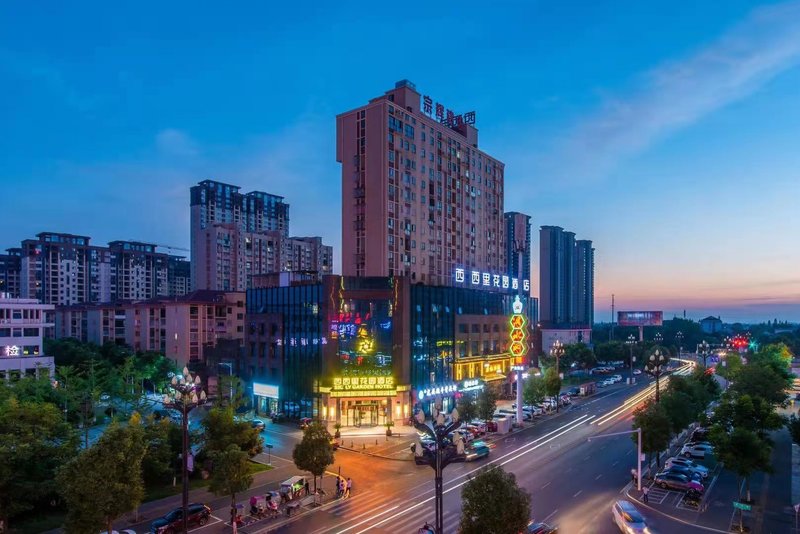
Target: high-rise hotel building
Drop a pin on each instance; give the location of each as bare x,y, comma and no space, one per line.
419,198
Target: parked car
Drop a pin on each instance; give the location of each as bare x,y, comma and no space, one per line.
257,423
173,521
541,528
668,480
608,382
602,384
699,434
482,426
637,371
278,417
699,450
617,378
628,518
686,462
692,474
574,391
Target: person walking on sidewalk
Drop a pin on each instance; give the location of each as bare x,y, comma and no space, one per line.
349,487
633,475
338,487
645,491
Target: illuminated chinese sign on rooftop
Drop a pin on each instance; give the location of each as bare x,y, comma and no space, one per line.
490,280
445,116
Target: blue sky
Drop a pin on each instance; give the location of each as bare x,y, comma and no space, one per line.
668,136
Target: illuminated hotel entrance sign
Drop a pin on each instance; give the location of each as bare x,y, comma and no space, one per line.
365,386
516,335
490,280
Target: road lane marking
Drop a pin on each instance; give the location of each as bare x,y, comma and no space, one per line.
598,476
566,428
549,516
369,518
615,463
543,487
579,492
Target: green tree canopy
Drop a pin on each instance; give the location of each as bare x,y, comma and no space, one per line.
222,429
655,425
534,390
493,503
487,403
164,445
760,381
231,475
467,407
315,452
104,481
742,451
552,383
34,442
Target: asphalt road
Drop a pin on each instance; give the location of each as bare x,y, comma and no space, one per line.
573,481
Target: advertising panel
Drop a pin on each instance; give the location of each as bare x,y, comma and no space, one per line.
640,318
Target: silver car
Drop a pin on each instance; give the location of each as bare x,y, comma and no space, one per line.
628,518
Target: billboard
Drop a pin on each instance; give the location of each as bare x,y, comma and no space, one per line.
640,318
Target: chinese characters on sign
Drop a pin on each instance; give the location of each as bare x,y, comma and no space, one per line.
517,332
478,278
445,116
363,383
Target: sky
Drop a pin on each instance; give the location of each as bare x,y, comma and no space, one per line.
667,136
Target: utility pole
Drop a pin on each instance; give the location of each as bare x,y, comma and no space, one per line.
611,332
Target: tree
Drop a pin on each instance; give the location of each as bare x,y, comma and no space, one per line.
552,384
655,425
231,475
493,503
104,481
534,391
467,407
760,381
487,403
222,430
164,444
315,452
34,441
751,413
680,408
612,351
742,451
794,427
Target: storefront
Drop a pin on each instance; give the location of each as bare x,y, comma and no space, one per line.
265,398
446,395
365,401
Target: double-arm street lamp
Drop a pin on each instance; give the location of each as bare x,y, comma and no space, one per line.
679,339
631,342
184,393
658,338
653,365
444,453
704,349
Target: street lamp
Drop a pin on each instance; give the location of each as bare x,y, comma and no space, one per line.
557,350
438,430
653,365
659,338
679,339
704,348
184,393
631,342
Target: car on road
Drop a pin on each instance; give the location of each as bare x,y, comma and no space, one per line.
257,423
172,523
609,382
278,417
574,391
476,451
637,371
602,384
696,450
617,378
541,528
677,481
628,518
686,462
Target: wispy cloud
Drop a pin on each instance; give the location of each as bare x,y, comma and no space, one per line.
173,142
679,93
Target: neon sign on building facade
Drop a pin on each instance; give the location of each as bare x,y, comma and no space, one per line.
490,280
517,323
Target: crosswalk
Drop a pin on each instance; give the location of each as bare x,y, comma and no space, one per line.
375,512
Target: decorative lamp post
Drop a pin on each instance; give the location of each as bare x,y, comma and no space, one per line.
704,349
184,393
518,347
679,339
654,363
659,338
444,453
631,342
557,350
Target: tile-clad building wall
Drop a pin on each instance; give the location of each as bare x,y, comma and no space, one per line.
418,197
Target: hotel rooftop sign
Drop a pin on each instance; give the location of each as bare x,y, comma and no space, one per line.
445,116
479,279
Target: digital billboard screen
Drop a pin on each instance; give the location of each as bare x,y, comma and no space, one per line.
640,318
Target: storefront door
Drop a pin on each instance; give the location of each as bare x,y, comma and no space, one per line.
364,414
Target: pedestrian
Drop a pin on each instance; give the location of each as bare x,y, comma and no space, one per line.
307,491
645,491
349,487
633,475
338,487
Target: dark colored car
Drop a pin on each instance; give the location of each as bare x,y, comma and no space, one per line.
278,417
692,474
172,523
700,434
541,528
574,391
677,481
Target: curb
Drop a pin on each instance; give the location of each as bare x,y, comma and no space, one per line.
679,520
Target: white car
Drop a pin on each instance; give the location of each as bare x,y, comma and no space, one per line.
628,518
609,381
698,450
617,378
637,371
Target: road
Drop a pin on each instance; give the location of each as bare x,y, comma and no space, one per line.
573,481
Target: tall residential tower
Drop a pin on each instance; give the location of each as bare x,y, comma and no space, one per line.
566,279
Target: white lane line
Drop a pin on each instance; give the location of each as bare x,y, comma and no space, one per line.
615,463
598,476
549,516
579,492
567,428
367,520
543,487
